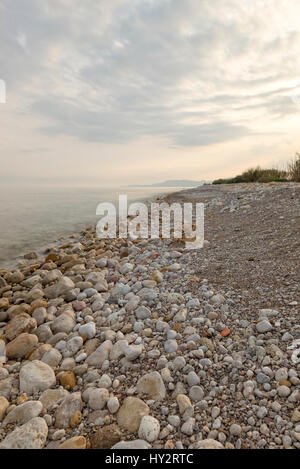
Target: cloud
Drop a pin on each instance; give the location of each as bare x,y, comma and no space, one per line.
194,72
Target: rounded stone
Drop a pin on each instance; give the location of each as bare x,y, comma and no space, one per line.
152,385
67,380
193,379
171,346
98,398
31,435
196,393
264,326
76,442
88,330
131,413
113,405
20,324
283,391
36,376
21,345
183,403
235,429
149,428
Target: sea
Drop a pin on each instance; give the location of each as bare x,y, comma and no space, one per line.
33,217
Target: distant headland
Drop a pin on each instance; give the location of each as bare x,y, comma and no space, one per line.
173,183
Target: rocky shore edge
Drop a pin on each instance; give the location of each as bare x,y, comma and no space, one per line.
120,344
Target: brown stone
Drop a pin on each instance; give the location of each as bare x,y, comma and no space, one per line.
4,404
22,398
84,338
77,442
91,345
152,385
15,277
131,413
37,354
18,309
169,445
39,303
127,328
21,345
106,437
19,324
67,380
183,402
76,419
52,256
285,382
4,303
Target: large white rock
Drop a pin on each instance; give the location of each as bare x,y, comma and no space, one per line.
98,398
88,329
149,428
24,412
31,435
36,376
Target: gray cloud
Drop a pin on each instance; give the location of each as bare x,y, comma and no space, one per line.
191,71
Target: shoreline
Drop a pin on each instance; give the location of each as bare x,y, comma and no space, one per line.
66,236
212,330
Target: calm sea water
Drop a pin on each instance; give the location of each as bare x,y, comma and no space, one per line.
32,217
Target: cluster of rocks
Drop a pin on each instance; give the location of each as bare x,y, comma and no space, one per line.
119,344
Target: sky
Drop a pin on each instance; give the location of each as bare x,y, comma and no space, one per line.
138,91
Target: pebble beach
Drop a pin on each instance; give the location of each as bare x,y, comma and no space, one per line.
139,344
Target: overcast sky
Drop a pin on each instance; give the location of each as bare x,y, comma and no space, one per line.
145,90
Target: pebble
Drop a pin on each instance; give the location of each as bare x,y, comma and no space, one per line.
264,326
36,376
31,435
113,405
149,428
188,426
152,385
98,398
235,429
131,412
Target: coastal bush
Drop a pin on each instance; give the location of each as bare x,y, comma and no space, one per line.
294,169
256,175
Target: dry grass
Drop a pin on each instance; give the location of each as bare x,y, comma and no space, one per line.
294,169
258,174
